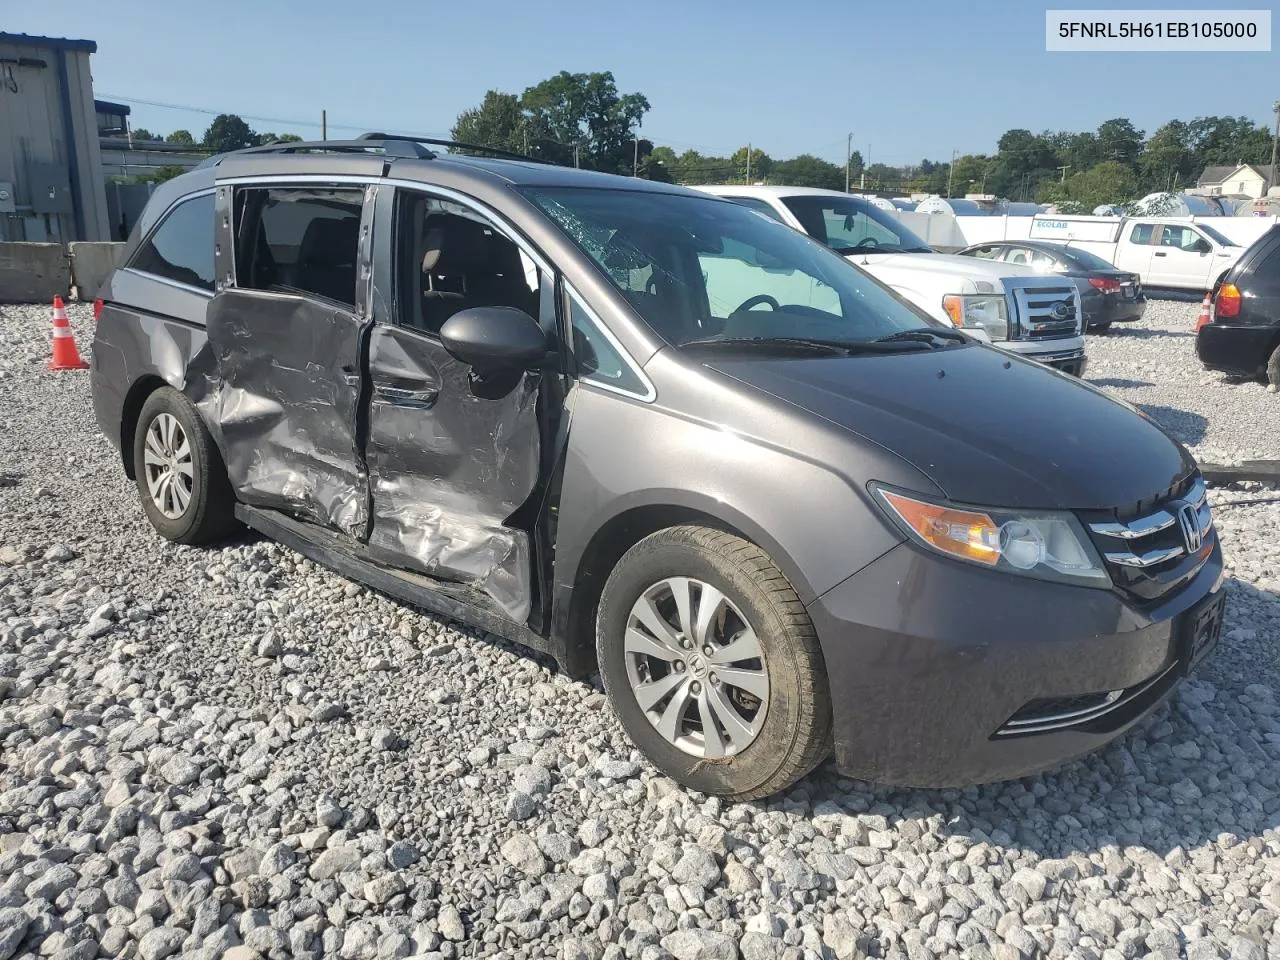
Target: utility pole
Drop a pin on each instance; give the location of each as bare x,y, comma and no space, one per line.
635,158
951,170
1064,172
324,124
748,163
575,155
1274,140
848,162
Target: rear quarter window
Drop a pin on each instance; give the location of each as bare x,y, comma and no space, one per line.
180,249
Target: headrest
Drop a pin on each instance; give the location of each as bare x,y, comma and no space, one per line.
454,245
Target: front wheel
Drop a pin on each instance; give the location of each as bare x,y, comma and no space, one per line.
712,663
180,477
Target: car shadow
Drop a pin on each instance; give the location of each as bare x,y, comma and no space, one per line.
1142,333
1188,427
1119,382
1198,770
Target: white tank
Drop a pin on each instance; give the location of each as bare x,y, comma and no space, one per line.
882,203
1175,205
1107,210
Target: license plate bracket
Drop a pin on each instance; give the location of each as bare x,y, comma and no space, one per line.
1201,630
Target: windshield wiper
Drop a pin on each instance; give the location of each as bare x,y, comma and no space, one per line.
929,335
801,345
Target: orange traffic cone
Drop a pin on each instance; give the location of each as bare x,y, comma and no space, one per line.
1205,316
65,354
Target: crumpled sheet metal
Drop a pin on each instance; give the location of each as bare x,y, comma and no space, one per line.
285,408
446,479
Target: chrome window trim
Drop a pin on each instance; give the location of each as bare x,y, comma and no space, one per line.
176,284
650,393
160,222
446,193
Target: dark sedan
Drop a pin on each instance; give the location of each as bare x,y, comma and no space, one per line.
1242,335
1107,295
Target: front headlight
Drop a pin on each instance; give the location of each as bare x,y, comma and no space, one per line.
1042,544
984,311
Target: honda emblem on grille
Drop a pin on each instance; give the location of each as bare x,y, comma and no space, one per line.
1189,524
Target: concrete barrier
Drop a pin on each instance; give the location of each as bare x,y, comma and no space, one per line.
33,272
91,264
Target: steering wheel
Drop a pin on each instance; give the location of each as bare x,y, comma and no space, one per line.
758,299
868,243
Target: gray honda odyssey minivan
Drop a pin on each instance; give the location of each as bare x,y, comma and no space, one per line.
655,434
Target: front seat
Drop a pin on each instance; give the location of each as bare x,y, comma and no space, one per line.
454,263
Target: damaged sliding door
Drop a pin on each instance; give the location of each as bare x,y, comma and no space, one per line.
450,462
286,341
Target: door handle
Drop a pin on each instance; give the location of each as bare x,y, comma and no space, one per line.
1159,254
422,399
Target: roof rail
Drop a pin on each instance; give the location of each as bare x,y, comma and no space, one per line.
399,147
456,144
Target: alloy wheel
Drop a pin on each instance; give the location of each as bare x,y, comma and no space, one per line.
696,668
169,469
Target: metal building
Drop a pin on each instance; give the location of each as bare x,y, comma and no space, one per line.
51,186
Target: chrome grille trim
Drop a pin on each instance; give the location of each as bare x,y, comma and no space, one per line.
1034,299
1162,519
1127,558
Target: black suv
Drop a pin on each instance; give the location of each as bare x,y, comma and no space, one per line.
653,433
1243,335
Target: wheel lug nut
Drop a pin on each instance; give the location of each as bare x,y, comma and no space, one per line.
715,681
695,687
679,666
708,650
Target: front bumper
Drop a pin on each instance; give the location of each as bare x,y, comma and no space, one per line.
929,659
1066,354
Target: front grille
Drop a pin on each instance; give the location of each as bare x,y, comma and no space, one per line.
1158,545
1038,305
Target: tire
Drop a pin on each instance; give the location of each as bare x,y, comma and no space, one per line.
196,505
1273,368
1100,328
793,736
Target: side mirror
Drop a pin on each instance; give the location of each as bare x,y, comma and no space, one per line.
494,339
1203,246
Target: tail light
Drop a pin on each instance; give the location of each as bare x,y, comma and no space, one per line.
1105,284
97,309
1227,302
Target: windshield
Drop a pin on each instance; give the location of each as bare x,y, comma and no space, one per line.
1090,261
698,268
1215,235
848,225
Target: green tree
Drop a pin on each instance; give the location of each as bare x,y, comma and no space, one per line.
1224,141
807,170
586,110
182,137
969,174
265,138
497,122
1166,160
761,164
228,132
1118,140
1108,182
142,133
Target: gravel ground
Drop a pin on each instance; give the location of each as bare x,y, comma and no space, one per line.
1153,364
235,753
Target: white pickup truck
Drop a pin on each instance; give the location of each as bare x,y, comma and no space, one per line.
1018,308
1164,251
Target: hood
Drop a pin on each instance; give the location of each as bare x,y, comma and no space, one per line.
901,267
986,427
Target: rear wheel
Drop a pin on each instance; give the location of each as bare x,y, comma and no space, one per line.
712,663
180,477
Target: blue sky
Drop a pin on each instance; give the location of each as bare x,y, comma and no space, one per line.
910,80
